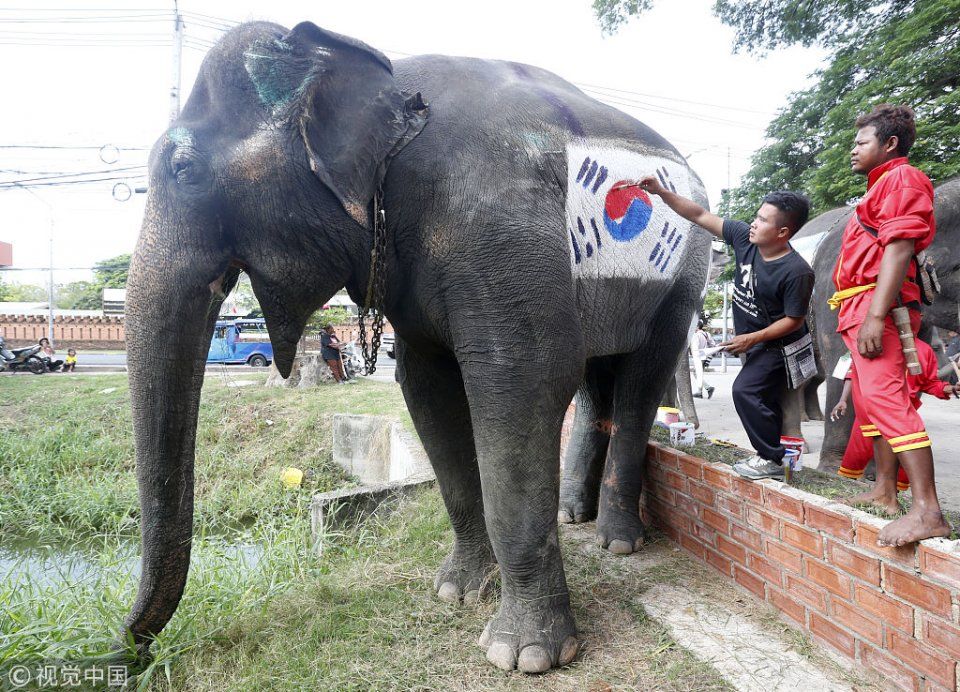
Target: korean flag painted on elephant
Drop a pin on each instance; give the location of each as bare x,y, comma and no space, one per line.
615,229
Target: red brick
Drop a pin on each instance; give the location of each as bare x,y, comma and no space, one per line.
667,457
691,467
867,538
839,639
940,565
715,520
718,478
749,538
891,612
940,634
808,541
829,578
730,505
781,503
765,569
852,561
672,532
929,662
789,607
764,521
675,481
692,545
796,586
891,669
916,590
704,534
734,551
829,521
664,492
788,557
718,562
687,505
701,493
750,582
748,490
850,617
678,520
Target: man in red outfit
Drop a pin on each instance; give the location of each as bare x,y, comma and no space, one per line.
859,450
875,273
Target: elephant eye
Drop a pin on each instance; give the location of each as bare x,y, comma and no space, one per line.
183,166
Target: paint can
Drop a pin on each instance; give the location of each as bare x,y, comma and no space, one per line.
796,443
667,415
681,434
792,462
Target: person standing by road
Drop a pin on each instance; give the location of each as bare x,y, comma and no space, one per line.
330,352
699,342
875,273
771,294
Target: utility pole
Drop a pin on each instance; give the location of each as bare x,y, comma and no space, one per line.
50,294
177,54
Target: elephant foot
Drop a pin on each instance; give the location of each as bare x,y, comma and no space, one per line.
466,577
531,636
576,505
620,532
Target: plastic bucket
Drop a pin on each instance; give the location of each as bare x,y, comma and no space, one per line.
681,434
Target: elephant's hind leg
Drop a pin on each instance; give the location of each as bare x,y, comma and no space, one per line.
433,389
587,448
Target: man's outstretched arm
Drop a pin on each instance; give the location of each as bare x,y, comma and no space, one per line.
686,208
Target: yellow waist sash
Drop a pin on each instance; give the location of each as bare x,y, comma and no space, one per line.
840,296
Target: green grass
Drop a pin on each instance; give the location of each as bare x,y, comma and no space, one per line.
67,460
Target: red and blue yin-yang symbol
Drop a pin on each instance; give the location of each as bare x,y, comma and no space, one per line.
626,211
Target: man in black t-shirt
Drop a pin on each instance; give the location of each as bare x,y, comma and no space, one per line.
771,293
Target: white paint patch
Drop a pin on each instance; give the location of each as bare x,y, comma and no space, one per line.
748,657
807,247
617,230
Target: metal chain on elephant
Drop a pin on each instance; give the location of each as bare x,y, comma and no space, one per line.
376,287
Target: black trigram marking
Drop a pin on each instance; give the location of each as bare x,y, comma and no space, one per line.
664,176
591,171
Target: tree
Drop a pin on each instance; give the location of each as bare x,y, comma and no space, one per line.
112,273
21,293
899,51
79,295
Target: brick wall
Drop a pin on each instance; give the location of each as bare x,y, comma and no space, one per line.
75,332
895,611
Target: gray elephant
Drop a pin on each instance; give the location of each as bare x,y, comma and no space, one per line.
510,232
821,238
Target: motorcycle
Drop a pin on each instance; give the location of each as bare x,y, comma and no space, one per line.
350,360
21,359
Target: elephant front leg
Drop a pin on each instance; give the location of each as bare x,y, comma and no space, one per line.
435,397
517,425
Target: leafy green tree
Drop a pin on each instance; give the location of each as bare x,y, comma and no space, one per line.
112,273
21,293
898,51
322,318
79,295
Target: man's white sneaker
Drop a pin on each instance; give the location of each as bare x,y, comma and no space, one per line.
757,467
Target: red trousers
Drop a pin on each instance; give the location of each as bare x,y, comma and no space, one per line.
881,396
858,454
337,368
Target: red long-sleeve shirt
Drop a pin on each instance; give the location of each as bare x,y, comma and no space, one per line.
898,204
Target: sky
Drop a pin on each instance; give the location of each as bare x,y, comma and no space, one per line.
86,88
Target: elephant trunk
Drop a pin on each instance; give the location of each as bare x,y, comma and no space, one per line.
172,305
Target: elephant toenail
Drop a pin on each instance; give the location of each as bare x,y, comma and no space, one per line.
564,517
502,656
485,638
448,592
471,596
533,659
568,651
618,547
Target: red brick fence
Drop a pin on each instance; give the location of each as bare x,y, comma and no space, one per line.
895,611
76,332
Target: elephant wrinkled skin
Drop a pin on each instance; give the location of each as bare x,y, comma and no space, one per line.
502,312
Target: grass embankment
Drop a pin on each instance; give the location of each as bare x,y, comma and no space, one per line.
362,615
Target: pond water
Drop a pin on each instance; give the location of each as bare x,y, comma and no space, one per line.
49,566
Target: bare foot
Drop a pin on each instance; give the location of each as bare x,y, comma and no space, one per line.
881,500
913,527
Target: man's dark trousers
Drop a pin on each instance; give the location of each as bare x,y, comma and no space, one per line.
756,395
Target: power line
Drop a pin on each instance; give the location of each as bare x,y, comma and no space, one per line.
18,186
72,175
67,146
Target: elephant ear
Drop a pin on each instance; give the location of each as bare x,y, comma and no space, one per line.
351,115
